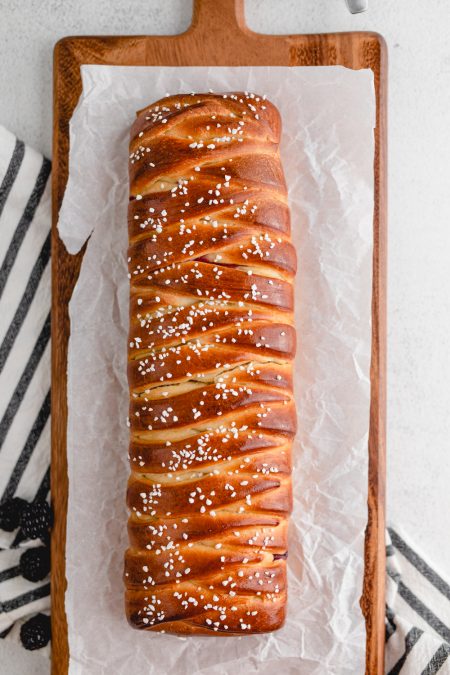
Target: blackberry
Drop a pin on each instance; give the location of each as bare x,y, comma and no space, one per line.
34,563
36,632
10,512
36,520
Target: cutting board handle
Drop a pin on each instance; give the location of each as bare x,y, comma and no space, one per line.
218,15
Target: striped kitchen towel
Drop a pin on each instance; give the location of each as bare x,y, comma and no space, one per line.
417,613
418,599
24,360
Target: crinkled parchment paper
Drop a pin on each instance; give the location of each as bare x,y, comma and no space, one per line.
327,151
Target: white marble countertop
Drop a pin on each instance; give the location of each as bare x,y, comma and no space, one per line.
419,201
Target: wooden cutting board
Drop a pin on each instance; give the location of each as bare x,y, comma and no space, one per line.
218,36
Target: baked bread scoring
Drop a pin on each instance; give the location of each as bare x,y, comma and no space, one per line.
211,345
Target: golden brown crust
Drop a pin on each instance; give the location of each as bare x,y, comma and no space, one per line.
211,345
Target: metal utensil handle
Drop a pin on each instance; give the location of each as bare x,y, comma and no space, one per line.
357,6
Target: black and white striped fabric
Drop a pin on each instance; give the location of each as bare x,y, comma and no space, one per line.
24,359
417,613
418,599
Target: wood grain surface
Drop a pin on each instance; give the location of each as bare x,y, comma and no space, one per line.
218,36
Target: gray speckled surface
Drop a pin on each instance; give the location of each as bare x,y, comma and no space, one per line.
419,202
29,31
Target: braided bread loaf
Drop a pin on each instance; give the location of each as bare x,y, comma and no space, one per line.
212,340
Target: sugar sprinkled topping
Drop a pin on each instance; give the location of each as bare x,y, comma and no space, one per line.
210,345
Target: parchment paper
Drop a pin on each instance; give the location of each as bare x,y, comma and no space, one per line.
327,152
